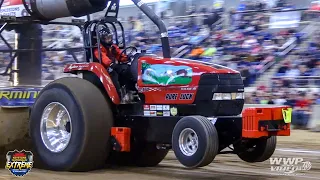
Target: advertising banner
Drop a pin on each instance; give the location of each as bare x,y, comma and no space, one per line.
285,19
13,8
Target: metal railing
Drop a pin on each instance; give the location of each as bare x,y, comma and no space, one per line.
287,47
300,81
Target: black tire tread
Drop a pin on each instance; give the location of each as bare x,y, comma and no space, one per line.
212,136
269,149
264,151
94,106
146,155
150,156
212,144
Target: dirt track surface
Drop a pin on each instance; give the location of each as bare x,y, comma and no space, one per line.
301,144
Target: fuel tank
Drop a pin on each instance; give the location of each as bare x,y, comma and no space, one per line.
52,9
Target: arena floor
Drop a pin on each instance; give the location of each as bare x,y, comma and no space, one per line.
302,144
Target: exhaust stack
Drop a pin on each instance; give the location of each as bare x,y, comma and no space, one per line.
52,9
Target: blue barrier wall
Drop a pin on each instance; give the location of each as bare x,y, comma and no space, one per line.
18,97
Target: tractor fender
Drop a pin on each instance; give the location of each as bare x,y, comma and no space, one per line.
101,72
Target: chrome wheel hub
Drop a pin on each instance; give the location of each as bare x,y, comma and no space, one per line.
188,142
55,127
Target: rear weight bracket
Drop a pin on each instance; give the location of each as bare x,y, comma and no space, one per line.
115,144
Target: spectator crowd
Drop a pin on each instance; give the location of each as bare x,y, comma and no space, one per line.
296,83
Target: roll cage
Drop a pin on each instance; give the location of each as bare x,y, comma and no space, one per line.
89,30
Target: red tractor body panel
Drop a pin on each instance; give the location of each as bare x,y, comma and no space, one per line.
101,72
162,81
172,81
315,6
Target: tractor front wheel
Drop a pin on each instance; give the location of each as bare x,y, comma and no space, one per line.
195,141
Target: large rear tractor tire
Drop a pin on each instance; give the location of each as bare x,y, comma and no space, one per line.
195,141
260,149
70,126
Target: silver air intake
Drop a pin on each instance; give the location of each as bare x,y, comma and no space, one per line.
53,9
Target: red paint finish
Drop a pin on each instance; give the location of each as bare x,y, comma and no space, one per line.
122,135
11,3
101,73
252,116
156,94
315,6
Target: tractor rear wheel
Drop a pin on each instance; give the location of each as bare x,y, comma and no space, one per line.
257,150
70,126
195,141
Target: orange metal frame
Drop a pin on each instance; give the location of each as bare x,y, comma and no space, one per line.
252,116
122,135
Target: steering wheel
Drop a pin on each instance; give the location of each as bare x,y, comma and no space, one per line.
130,54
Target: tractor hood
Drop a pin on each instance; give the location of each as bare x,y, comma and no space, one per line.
205,67
198,67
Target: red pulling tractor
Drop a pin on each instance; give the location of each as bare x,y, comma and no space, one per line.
191,107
